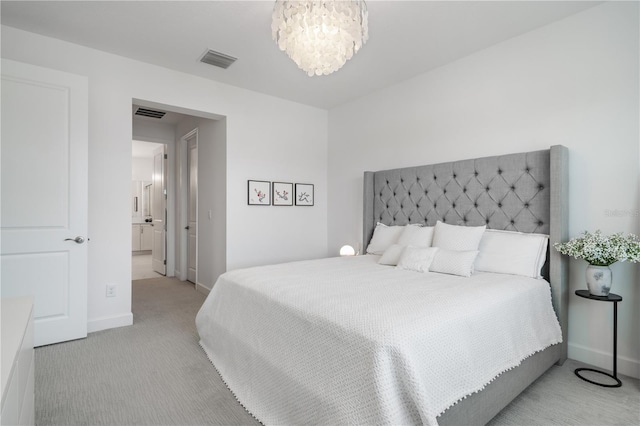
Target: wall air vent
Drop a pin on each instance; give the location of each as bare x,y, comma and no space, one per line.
146,112
217,59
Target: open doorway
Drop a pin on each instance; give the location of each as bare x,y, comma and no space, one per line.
195,196
146,188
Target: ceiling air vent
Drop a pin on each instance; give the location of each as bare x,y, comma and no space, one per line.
217,59
145,112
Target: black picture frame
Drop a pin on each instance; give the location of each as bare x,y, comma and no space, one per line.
282,194
258,193
304,194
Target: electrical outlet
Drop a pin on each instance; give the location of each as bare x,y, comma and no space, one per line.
111,290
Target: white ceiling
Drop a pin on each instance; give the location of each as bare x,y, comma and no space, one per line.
407,38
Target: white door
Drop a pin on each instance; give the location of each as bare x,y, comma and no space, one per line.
159,212
44,197
192,214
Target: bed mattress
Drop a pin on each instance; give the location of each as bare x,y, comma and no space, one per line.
346,340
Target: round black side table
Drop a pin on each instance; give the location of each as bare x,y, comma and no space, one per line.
615,299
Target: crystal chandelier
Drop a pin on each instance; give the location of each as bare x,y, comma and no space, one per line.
320,36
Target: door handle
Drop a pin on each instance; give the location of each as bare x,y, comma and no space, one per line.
77,240
186,227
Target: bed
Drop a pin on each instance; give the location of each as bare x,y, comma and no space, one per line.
349,341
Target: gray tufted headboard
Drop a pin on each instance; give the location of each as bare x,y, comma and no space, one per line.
524,192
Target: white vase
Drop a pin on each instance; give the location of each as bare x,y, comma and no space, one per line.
598,280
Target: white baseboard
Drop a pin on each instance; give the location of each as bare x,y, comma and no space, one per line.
627,366
203,289
105,323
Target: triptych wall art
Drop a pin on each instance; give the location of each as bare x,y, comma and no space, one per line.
265,193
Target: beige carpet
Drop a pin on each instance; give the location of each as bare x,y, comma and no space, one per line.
155,373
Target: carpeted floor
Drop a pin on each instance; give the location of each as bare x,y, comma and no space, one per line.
155,373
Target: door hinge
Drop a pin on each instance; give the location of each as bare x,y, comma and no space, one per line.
165,156
165,261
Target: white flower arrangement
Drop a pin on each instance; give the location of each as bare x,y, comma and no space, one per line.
601,250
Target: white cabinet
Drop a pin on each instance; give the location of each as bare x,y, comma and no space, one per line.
141,237
18,406
146,237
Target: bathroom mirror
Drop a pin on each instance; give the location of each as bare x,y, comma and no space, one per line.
141,199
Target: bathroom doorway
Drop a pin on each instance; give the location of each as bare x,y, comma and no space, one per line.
196,186
143,185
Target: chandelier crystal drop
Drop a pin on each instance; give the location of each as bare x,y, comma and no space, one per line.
320,36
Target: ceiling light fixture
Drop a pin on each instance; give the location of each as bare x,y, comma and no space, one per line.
320,36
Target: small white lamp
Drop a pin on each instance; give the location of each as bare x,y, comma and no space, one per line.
347,250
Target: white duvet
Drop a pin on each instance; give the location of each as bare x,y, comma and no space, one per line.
346,340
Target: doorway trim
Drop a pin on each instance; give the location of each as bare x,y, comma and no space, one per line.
183,200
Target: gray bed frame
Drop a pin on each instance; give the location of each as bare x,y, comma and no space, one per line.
525,192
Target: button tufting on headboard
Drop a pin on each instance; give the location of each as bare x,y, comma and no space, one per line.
509,192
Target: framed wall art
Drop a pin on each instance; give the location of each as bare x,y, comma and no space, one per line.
304,194
282,194
259,193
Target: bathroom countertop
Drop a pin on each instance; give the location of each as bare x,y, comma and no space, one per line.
138,221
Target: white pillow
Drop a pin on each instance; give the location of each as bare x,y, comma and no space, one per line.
459,238
516,253
417,236
416,258
391,255
454,262
383,237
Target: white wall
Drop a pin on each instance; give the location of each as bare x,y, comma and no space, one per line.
575,83
141,169
267,138
149,131
212,196
212,258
